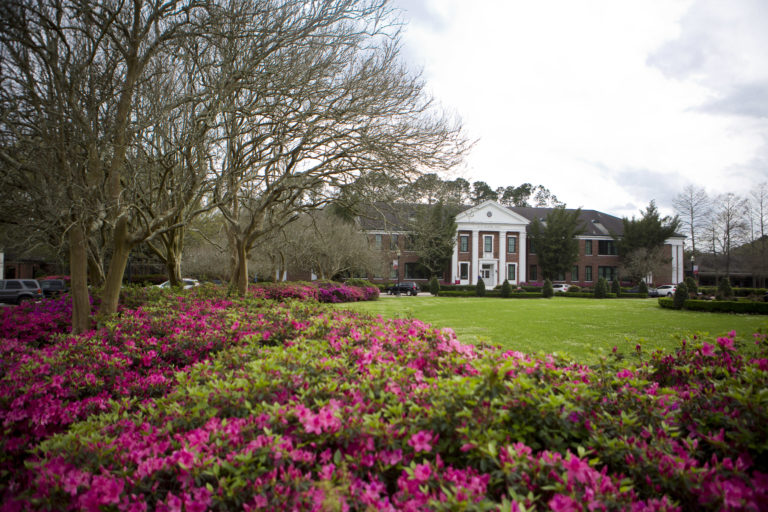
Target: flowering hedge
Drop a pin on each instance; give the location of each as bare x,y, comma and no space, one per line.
244,404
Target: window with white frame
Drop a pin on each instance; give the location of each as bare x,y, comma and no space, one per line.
463,243
588,273
511,244
464,270
511,272
488,243
379,240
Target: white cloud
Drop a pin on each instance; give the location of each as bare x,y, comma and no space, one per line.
587,98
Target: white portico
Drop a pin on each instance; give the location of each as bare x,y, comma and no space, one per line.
490,244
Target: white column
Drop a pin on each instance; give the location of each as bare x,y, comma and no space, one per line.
522,250
454,275
502,256
474,272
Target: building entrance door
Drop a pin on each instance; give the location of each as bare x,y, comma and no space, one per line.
487,272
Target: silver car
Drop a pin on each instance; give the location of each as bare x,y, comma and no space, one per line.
17,291
666,290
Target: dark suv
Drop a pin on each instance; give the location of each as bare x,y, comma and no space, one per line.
406,287
18,290
53,287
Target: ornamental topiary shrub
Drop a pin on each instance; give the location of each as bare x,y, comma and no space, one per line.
574,289
693,288
616,287
547,291
642,289
434,286
724,290
506,289
480,289
681,294
601,288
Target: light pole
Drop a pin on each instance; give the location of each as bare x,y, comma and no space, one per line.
397,252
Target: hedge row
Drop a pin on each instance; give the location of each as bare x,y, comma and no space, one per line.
719,306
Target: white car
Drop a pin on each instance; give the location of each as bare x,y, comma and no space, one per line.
560,287
188,283
666,290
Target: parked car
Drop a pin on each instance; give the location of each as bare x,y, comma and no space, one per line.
188,283
406,287
561,287
665,290
17,291
53,287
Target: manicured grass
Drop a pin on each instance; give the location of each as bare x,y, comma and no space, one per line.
580,328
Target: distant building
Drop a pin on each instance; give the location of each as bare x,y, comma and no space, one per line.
492,244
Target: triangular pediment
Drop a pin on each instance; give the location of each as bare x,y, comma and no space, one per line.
490,212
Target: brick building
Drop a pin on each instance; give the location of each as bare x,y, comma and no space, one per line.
492,244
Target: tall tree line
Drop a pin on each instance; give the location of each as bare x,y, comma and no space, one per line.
122,121
726,226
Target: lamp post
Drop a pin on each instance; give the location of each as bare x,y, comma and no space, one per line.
693,271
397,252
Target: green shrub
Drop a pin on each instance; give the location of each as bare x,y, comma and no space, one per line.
480,289
690,284
724,290
642,289
719,306
434,286
506,289
681,295
601,288
547,290
360,283
574,289
616,287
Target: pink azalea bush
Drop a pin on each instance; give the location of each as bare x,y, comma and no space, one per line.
214,404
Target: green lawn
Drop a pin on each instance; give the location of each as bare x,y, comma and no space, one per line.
577,327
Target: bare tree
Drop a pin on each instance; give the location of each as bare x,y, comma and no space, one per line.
322,105
693,207
758,220
729,226
71,74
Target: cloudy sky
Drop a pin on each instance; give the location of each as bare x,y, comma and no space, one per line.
608,103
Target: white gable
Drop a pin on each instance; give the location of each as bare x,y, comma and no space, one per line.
489,213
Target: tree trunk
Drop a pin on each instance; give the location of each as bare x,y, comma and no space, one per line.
173,249
240,272
78,271
120,252
95,268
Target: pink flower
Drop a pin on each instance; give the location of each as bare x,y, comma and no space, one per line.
726,343
562,503
422,472
421,441
707,349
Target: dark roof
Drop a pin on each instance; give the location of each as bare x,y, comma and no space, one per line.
595,223
396,217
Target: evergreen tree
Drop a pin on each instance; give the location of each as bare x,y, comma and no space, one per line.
724,290
616,287
506,289
681,294
555,240
547,290
601,288
480,290
642,243
434,286
642,289
693,288
434,235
